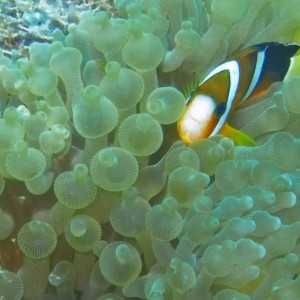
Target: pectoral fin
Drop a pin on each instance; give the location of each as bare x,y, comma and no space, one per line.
240,138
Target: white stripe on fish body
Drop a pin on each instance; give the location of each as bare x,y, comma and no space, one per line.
200,111
257,72
234,74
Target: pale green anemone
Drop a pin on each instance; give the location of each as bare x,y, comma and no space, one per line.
83,233
120,263
37,239
99,199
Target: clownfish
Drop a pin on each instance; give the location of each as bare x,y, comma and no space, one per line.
232,84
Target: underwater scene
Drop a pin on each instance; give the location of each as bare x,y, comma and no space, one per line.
149,149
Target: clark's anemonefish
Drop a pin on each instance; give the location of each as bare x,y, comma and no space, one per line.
236,82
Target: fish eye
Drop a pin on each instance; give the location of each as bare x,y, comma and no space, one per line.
220,109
